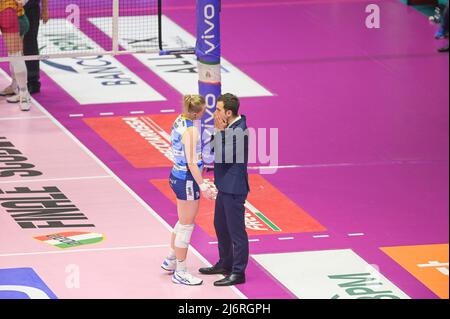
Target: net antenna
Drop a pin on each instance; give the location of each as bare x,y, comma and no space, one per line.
163,50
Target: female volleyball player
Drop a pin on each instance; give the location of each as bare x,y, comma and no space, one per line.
12,16
186,181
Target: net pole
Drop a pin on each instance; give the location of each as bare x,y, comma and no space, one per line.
115,26
208,52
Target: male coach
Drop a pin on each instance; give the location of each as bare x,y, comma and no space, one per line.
230,146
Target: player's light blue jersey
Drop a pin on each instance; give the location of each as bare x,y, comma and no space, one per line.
179,128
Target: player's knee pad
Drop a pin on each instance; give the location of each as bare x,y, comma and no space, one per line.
18,66
184,234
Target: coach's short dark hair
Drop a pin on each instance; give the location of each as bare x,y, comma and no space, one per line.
230,102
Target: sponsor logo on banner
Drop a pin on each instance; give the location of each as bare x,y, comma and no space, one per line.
47,207
428,263
23,283
89,80
71,239
330,274
267,210
142,140
178,70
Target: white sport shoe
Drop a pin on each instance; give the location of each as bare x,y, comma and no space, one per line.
23,98
169,265
15,98
8,91
185,278
25,101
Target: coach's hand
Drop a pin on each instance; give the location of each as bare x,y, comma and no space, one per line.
220,122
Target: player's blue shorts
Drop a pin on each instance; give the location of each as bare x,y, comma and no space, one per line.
185,189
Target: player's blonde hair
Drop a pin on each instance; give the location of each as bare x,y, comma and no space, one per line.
193,104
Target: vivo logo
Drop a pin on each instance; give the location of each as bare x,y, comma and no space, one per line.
209,118
209,12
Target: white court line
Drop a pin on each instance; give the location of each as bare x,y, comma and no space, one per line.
273,167
337,165
321,236
118,180
22,118
168,111
57,179
76,115
106,114
356,234
250,241
137,112
82,250
286,238
433,264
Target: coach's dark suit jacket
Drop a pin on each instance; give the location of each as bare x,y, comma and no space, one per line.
231,159
231,178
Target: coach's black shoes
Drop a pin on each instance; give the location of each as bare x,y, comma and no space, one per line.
214,271
231,280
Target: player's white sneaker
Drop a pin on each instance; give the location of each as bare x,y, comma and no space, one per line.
8,91
185,278
169,264
15,98
24,100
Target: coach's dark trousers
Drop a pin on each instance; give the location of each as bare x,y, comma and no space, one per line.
229,222
30,44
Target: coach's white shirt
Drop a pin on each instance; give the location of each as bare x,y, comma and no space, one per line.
235,120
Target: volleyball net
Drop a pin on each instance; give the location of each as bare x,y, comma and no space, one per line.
78,28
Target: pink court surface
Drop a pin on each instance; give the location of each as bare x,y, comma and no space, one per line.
360,191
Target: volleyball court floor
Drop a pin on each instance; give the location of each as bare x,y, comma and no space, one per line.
357,205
